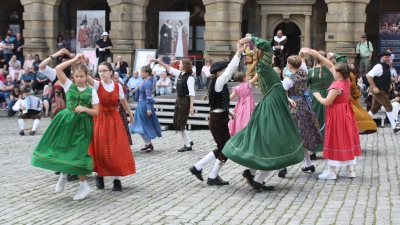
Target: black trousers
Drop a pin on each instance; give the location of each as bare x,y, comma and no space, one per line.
218,125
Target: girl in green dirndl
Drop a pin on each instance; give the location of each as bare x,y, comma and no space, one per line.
64,145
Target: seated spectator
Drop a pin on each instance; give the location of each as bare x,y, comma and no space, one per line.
89,65
6,89
37,61
41,79
109,60
118,79
15,95
163,85
122,67
28,63
14,67
27,78
46,99
134,85
28,107
3,66
364,85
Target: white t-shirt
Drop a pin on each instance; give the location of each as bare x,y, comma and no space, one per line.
49,73
190,80
95,97
376,71
109,88
288,82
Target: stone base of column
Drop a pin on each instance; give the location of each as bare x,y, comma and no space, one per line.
346,49
124,48
37,46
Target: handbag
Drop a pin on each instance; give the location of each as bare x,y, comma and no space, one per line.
203,78
249,60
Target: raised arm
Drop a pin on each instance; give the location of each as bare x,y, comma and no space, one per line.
45,62
60,68
167,68
254,80
324,60
303,53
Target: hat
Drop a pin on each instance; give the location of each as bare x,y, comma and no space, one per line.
218,66
26,90
384,53
83,22
104,34
363,35
340,58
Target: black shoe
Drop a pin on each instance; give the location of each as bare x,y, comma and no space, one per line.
117,185
22,133
32,133
184,149
310,168
196,172
191,143
56,173
100,182
249,178
282,172
217,181
313,156
71,177
395,130
261,187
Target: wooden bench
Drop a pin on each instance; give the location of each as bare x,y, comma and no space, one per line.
380,116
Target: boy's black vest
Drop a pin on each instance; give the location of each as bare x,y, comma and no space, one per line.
218,100
383,82
182,88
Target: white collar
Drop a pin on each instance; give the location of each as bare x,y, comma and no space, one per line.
170,26
277,39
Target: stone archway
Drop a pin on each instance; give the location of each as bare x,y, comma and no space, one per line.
294,38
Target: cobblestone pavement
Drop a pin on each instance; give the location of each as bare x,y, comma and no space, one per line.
164,192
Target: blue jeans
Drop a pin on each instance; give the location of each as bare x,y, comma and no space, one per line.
122,75
136,95
364,91
5,95
7,57
163,90
199,83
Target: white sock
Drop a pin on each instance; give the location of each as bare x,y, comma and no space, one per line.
83,184
370,113
116,177
252,171
261,177
208,158
146,141
391,119
350,168
307,159
186,138
332,169
217,167
21,124
63,176
35,124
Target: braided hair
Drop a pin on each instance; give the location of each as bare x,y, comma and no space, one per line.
316,62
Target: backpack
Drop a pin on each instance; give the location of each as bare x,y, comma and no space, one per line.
368,43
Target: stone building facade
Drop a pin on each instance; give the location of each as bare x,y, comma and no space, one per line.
333,25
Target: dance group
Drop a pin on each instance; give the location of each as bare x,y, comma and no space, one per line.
289,122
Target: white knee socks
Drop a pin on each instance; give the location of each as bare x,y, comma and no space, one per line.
186,138
146,141
116,177
208,158
21,124
35,124
217,167
307,159
332,169
391,119
83,184
350,168
261,177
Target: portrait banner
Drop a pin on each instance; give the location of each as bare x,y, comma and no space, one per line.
173,35
142,57
389,36
90,25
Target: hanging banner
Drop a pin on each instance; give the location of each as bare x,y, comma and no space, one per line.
389,36
173,35
90,25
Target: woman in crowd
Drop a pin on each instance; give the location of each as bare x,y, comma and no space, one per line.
15,95
8,47
46,99
14,68
163,85
206,71
103,46
6,89
28,63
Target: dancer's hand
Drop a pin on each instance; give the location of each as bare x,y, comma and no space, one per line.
149,112
330,55
245,40
293,103
375,90
240,48
306,50
317,95
314,53
233,115
80,109
130,119
191,111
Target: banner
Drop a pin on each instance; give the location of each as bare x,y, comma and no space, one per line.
173,35
389,36
90,25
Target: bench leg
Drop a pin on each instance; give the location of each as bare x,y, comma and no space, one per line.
382,123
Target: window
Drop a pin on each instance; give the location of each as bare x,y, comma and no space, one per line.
196,38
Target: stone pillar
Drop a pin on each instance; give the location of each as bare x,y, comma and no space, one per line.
223,28
345,23
264,25
41,25
128,18
307,28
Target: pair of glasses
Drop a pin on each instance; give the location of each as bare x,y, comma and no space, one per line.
103,71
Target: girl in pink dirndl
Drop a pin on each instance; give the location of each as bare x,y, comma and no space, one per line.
342,141
245,104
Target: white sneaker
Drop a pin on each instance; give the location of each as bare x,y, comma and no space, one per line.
327,176
61,183
345,173
82,193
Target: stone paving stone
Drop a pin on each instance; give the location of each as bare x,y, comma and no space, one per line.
164,192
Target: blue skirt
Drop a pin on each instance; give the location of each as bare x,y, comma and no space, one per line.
144,124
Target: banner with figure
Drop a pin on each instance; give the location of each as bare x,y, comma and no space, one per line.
90,25
389,36
173,34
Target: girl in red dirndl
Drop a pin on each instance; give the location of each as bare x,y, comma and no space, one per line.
342,141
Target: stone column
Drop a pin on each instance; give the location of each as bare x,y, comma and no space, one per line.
307,35
128,18
264,25
41,25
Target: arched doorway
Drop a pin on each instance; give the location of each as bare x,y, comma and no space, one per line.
14,20
293,33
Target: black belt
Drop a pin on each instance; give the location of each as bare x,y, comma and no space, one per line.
365,57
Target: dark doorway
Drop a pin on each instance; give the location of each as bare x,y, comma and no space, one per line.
292,32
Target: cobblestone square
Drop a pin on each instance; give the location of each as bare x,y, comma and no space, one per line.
164,192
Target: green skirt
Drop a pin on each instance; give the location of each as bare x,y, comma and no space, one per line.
319,110
271,140
64,145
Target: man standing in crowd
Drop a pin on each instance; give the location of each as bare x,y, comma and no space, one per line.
134,85
121,67
72,43
365,50
12,37
281,49
379,79
19,43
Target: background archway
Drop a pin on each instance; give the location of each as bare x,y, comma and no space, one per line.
293,33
